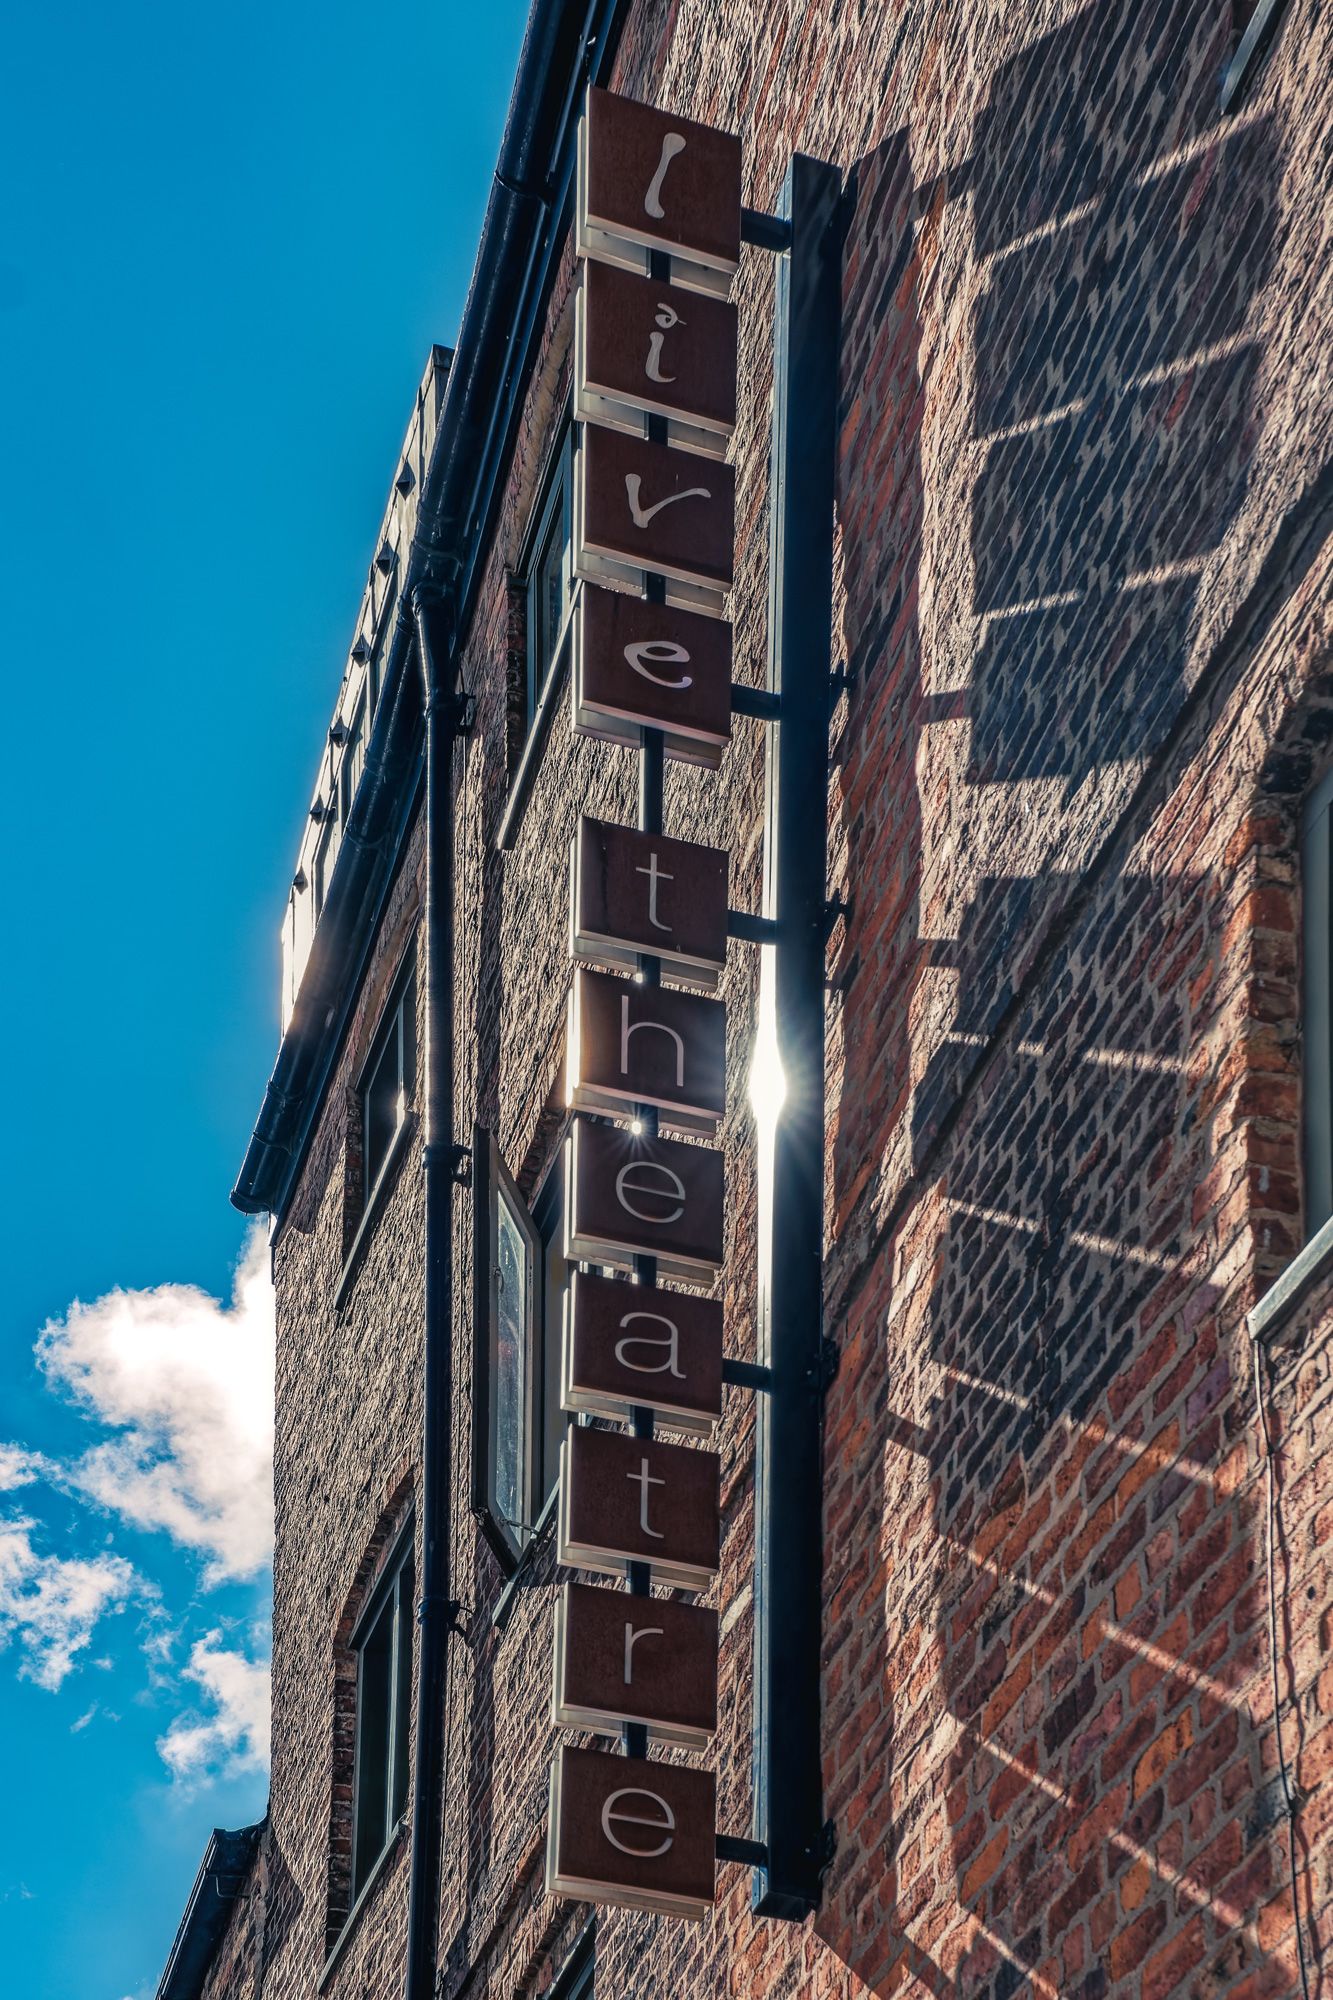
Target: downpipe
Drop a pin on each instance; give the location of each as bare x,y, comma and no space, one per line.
437,1609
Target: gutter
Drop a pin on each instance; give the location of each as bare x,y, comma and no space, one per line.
227,1861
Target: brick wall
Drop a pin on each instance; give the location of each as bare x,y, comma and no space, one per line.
1083,588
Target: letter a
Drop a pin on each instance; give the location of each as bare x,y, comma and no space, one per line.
670,1340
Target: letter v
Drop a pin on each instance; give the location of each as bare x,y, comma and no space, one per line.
641,516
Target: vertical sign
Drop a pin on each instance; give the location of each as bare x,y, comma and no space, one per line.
654,519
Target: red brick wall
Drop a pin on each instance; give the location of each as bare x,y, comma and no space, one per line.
1083,588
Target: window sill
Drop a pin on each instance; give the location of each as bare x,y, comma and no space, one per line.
1305,1270
368,1888
365,1229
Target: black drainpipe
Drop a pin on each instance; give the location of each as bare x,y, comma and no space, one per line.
436,1609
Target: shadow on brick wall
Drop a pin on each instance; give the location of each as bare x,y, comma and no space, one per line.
1090,1600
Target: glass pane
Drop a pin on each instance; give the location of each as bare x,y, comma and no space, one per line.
383,1105
509,1371
409,1067
555,1276
403,1696
547,602
374,1690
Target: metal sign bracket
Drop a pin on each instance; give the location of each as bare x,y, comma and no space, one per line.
788,1791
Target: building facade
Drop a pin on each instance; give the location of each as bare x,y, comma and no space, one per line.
1075,1710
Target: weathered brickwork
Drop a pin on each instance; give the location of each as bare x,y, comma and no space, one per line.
1085,594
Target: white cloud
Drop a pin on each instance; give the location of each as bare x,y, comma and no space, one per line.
50,1606
18,1467
188,1385
235,1736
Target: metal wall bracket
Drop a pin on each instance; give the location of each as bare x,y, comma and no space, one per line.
730,1847
751,929
745,1374
460,1165
754,701
825,1367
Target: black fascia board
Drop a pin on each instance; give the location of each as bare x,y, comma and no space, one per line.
227,1861
564,48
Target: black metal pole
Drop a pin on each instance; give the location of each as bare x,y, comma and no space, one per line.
435,1608
788,1787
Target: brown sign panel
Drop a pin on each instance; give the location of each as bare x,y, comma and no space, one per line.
640,892
635,1659
627,1345
648,178
625,1831
640,665
642,346
631,1045
631,1196
644,507
628,1499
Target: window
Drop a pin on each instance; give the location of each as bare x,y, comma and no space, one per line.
547,572
1316,1014
519,1302
1255,23
389,1078
382,1643
576,1983
353,763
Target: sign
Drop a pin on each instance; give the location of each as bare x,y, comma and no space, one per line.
641,892
640,665
628,1832
647,180
628,1499
637,1344
631,1044
657,223
642,347
629,1196
641,507
640,1659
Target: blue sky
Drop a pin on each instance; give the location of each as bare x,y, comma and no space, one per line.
231,235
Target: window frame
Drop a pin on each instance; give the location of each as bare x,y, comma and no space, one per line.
1317,1003
578,1979
541,1227
556,494
1251,51
391,1027
392,1596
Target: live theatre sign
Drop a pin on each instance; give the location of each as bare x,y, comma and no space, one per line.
654,538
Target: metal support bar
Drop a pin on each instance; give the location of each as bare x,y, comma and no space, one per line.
754,701
750,929
766,232
745,1374
730,1847
788,1807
